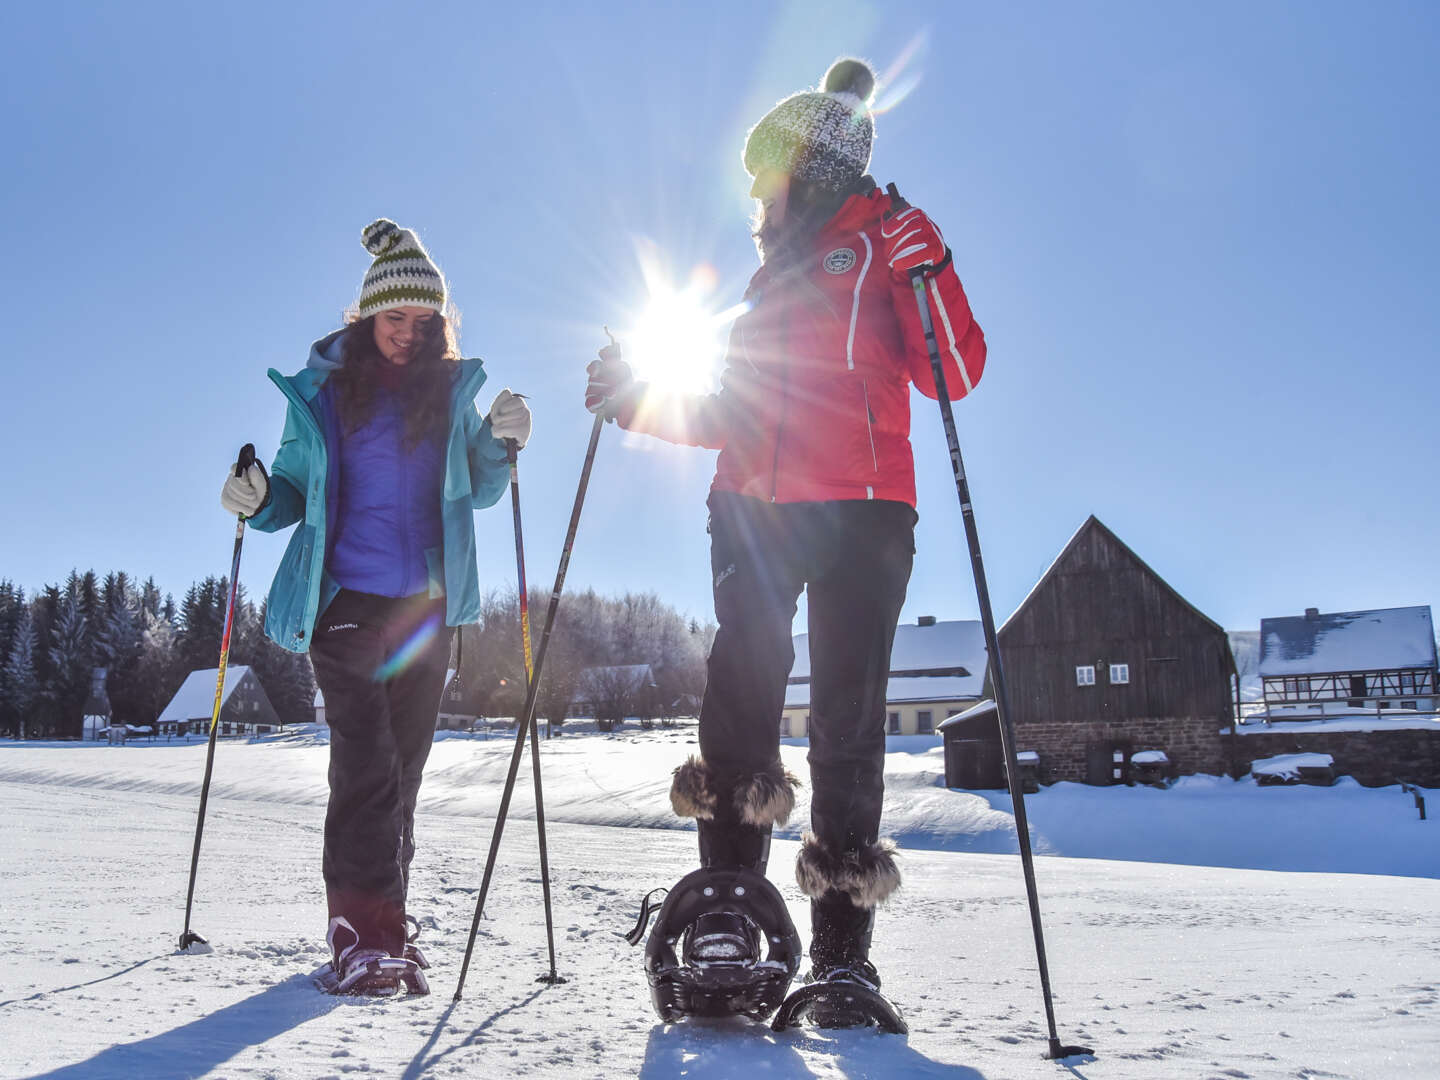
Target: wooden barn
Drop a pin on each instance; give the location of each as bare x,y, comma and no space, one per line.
1110,672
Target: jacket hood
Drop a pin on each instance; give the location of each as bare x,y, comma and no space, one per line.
325,353
324,359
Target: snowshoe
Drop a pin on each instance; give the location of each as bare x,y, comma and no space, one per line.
373,973
738,949
846,996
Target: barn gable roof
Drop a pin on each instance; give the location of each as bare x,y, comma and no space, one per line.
1341,641
1092,524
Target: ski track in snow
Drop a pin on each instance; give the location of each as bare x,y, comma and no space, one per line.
1166,970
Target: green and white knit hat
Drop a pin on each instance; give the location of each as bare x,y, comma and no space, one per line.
821,136
402,274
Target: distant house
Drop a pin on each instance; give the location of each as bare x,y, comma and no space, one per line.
1105,660
1340,663
936,669
244,710
611,694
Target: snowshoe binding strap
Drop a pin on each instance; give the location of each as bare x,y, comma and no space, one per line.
737,948
372,973
648,907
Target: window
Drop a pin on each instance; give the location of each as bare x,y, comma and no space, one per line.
927,721
1119,674
784,727
1409,705
1407,682
1085,675
892,726
1357,686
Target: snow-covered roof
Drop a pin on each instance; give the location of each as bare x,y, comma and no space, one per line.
195,700
940,646
1336,642
907,690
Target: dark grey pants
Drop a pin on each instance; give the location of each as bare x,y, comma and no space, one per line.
854,559
380,663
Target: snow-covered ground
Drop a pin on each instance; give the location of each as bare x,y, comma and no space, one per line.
1183,941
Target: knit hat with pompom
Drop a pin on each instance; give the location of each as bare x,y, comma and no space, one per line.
402,274
821,136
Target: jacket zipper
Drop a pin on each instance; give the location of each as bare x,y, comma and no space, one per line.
869,425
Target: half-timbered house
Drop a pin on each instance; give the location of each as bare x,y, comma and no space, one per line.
1346,662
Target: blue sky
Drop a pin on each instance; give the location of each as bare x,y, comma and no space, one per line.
1201,240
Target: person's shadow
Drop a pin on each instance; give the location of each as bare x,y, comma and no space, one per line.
196,1048
698,1049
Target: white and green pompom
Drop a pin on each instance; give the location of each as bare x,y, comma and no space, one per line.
380,236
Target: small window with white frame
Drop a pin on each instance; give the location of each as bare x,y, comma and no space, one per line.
1084,674
1119,674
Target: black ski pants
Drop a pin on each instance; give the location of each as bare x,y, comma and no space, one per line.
380,663
854,559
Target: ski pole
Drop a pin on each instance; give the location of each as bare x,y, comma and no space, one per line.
992,643
528,711
188,937
512,449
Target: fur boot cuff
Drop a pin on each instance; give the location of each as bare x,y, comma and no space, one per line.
766,798
867,876
692,792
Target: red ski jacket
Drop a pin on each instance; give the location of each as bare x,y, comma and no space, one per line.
814,400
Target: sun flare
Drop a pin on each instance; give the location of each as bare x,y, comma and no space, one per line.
677,339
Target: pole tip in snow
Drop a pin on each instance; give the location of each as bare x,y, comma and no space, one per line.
1056,1051
194,944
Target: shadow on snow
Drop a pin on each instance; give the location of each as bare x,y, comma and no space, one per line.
700,1049
208,1042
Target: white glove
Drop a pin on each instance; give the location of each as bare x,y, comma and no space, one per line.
610,381
510,417
244,494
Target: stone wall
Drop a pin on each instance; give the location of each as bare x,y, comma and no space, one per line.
1193,744
1374,758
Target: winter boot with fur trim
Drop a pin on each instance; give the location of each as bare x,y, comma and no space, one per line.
842,989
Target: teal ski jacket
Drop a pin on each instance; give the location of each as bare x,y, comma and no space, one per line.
303,489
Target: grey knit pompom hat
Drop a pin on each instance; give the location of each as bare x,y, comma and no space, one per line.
821,136
402,274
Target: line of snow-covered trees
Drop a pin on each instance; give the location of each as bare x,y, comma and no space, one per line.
51,642
592,632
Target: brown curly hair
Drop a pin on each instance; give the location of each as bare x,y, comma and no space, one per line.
425,393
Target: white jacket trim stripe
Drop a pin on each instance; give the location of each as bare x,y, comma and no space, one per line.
855,304
950,336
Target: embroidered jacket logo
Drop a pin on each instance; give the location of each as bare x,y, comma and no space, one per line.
342,626
839,261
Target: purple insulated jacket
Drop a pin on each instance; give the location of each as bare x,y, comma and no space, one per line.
389,533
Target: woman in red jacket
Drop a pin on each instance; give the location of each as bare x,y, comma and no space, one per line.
814,489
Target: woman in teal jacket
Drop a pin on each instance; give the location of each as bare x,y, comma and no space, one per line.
382,461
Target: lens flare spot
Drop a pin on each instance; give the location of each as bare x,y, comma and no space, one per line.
409,650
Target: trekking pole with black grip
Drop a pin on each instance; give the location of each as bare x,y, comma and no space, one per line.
992,644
